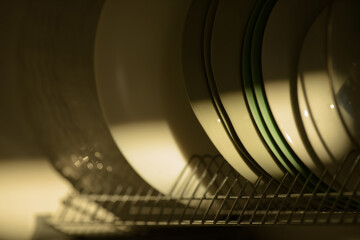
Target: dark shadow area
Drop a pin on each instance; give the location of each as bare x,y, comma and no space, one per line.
17,139
43,231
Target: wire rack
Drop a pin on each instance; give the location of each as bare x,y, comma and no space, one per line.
228,200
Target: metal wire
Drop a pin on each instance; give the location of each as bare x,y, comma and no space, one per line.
228,199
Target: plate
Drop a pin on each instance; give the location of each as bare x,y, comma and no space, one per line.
249,90
280,49
289,159
254,91
322,122
343,51
227,34
54,66
288,50
199,93
224,118
142,94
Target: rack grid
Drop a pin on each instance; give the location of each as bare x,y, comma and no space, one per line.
229,200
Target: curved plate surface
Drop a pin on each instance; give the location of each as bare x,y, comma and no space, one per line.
227,35
322,123
280,49
198,90
140,85
343,52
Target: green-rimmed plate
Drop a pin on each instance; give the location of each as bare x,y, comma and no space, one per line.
257,99
226,41
217,101
266,113
280,45
250,94
255,63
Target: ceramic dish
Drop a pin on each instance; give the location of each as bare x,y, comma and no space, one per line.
343,52
52,61
140,86
227,34
252,85
322,123
311,66
314,182
319,96
255,94
212,88
252,40
280,49
249,90
199,93
289,159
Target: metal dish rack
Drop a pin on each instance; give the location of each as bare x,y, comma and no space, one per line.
234,202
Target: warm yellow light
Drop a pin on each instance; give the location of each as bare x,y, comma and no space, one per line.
153,151
28,187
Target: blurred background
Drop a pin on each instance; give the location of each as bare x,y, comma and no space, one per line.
29,186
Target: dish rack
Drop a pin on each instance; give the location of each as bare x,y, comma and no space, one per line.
235,202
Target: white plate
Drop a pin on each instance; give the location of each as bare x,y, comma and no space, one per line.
199,95
140,86
284,34
322,123
227,34
343,50
309,60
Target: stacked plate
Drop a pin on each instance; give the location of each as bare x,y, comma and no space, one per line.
142,93
262,80
272,85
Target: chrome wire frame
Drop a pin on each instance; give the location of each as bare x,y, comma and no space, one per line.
228,200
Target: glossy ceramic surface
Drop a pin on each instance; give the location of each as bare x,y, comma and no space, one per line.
199,93
343,52
227,34
320,118
140,85
280,50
